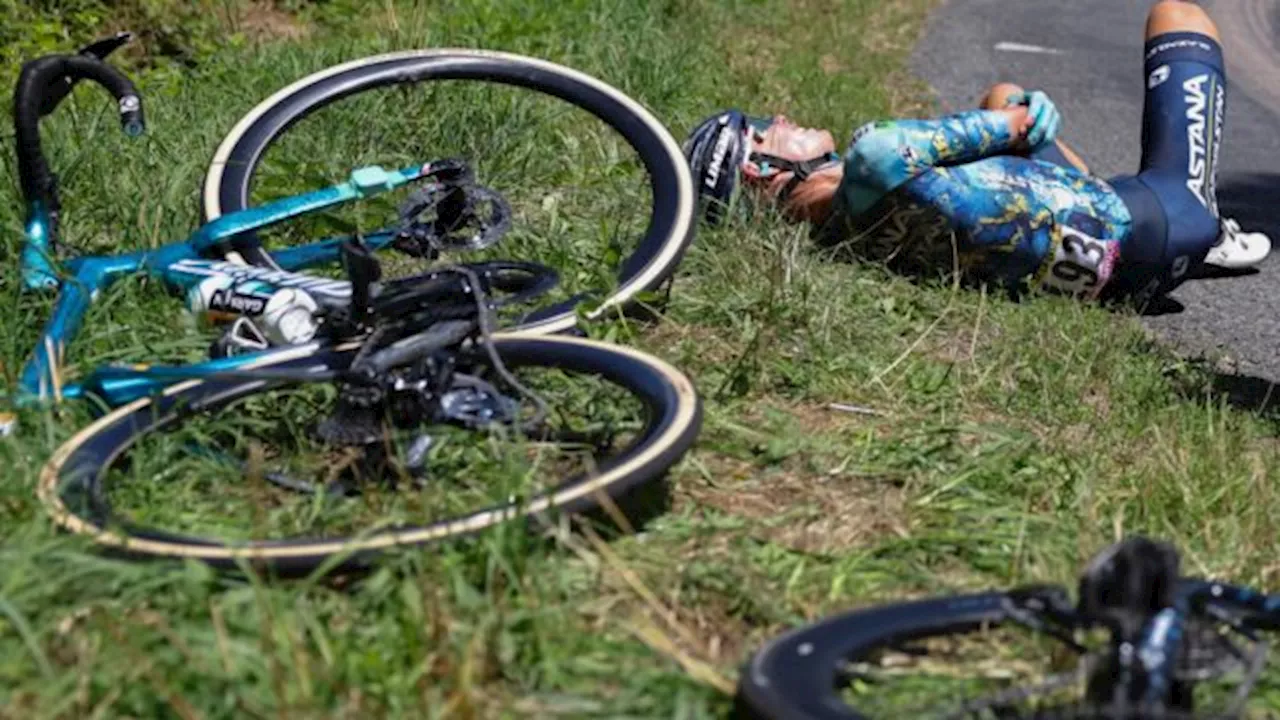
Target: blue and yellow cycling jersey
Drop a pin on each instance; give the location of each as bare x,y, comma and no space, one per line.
947,192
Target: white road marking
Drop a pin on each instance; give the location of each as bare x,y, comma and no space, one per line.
1005,46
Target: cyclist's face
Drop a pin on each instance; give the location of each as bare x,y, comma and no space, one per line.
789,141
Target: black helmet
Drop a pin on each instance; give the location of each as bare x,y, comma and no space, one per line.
716,149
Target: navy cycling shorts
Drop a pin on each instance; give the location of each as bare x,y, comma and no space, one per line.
1173,198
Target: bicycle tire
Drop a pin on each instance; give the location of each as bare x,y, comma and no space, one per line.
673,418
671,217
796,675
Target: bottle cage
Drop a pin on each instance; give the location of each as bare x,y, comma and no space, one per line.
243,336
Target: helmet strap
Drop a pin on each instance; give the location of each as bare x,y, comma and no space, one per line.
801,170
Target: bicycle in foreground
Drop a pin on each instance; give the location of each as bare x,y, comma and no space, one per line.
1140,641
401,418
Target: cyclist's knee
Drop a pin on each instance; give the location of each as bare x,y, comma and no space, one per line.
997,96
1170,16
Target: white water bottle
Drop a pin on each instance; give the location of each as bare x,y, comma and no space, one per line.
285,317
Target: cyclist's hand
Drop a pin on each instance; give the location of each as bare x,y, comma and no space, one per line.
1043,116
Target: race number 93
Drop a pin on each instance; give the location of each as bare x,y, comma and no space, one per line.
1081,264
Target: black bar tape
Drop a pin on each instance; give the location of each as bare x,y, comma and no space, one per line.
37,83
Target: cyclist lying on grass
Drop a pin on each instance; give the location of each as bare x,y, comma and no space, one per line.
1023,208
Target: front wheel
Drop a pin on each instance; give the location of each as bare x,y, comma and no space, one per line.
211,470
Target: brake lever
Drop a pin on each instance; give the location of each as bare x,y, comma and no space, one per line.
98,49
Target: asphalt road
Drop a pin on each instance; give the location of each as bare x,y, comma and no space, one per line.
1087,55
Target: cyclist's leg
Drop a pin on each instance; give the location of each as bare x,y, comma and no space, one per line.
1185,80
1059,153
1188,151
1172,199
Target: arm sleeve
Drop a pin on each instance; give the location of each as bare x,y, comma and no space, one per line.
884,155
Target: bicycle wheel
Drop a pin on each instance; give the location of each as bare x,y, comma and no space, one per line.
966,656
200,457
600,190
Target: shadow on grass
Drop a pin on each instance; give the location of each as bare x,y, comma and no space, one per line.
1256,395
1248,393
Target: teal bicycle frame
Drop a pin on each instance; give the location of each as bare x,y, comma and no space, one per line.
181,266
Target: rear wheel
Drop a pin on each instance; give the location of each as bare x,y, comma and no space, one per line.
211,470
599,189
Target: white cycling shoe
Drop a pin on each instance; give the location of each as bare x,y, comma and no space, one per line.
1238,249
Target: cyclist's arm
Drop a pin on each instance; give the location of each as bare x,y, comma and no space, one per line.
884,155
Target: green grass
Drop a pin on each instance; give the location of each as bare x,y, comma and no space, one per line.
1008,441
